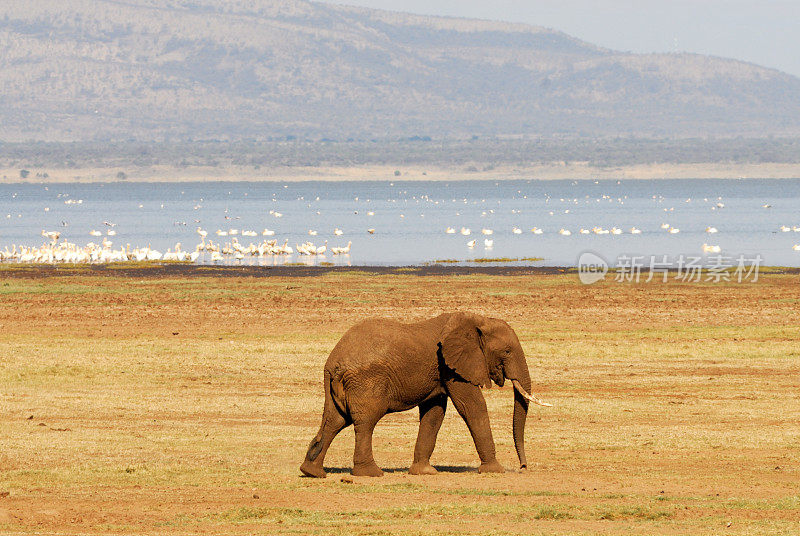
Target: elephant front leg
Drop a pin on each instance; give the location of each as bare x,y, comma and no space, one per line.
470,404
431,415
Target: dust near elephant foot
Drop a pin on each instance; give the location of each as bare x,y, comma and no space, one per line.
367,470
422,469
491,467
312,470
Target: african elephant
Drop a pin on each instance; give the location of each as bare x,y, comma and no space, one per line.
381,366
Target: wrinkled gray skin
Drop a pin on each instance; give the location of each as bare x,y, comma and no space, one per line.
382,366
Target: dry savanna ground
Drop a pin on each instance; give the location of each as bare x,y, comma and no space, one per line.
184,405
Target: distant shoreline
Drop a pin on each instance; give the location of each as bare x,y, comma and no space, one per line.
577,171
157,269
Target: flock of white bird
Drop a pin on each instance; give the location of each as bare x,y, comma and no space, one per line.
707,248
56,252
67,252
91,253
267,248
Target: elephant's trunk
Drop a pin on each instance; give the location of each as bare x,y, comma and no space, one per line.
522,396
520,414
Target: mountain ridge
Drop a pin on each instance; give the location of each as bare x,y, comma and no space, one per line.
78,70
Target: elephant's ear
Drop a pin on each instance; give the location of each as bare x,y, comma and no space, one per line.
462,349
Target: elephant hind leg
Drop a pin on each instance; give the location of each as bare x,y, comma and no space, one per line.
368,406
363,461
431,415
333,422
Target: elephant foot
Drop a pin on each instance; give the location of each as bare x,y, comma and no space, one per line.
491,467
422,468
309,468
367,470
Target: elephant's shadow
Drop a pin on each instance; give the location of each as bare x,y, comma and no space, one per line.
440,468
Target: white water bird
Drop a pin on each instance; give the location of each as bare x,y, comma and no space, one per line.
471,244
95,233
796,247
487,231
465,231
674,230
342,250
267,232
665,226
450,230
371,231
516,230
616,231
711,230
564,232
488,243
584,231
536,230
711,249
785,229
338,232
312,232
634,230
52,235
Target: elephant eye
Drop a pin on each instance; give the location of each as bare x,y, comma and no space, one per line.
508,351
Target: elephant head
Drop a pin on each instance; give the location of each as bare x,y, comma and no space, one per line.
481,350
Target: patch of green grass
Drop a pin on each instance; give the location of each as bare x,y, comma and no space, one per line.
784,503
507,259
485,260
437,512
553,512
613,513
409,487
53,287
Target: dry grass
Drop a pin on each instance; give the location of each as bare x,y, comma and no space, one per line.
184,405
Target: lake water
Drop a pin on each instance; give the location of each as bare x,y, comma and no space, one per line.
409,218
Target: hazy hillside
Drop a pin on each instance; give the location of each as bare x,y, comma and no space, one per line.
205,69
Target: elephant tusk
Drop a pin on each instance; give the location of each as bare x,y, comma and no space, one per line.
529,397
